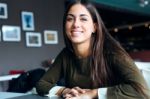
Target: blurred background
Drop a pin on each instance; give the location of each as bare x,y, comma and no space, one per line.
128,21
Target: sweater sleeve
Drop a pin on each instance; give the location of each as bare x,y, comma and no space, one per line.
132,78
51,77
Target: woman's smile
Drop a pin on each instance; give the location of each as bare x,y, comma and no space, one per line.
76,33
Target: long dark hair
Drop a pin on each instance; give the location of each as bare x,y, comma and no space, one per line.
99,68
102,42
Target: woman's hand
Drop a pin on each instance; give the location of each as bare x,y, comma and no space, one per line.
79,93
72,92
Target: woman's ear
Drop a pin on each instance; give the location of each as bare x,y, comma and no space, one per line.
95,27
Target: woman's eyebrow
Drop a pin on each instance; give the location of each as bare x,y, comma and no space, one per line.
84,15
70,15
80,15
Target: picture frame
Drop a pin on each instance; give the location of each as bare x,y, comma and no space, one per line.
11,33
33,39
50,37
27,21
3,11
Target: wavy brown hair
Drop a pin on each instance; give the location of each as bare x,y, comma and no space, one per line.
102,44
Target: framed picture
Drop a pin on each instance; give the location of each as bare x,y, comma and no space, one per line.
11,33
3,11
33,39
50,37
27,21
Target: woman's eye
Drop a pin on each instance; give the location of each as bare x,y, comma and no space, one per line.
83,19
69,19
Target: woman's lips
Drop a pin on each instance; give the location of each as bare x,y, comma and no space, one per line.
76,33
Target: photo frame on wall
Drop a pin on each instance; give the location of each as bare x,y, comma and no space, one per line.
50,37
11,33
33,39
27,21
3,11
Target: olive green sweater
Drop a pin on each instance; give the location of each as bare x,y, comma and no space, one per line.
76,72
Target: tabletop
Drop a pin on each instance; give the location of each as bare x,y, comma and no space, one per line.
12,95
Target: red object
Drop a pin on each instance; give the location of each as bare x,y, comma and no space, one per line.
143,56
11,72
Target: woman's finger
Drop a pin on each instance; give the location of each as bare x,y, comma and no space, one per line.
74,92
67,96
79,90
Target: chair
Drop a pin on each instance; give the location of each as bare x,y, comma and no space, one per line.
145,68
146,74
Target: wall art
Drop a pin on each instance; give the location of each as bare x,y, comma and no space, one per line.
11,33
33,39
50,37
27,21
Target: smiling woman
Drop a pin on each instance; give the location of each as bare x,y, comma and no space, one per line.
93,62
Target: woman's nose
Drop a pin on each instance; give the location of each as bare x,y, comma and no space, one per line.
76,23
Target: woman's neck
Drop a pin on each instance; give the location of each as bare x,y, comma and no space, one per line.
81,50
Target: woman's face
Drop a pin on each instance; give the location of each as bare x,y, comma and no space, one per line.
79,24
